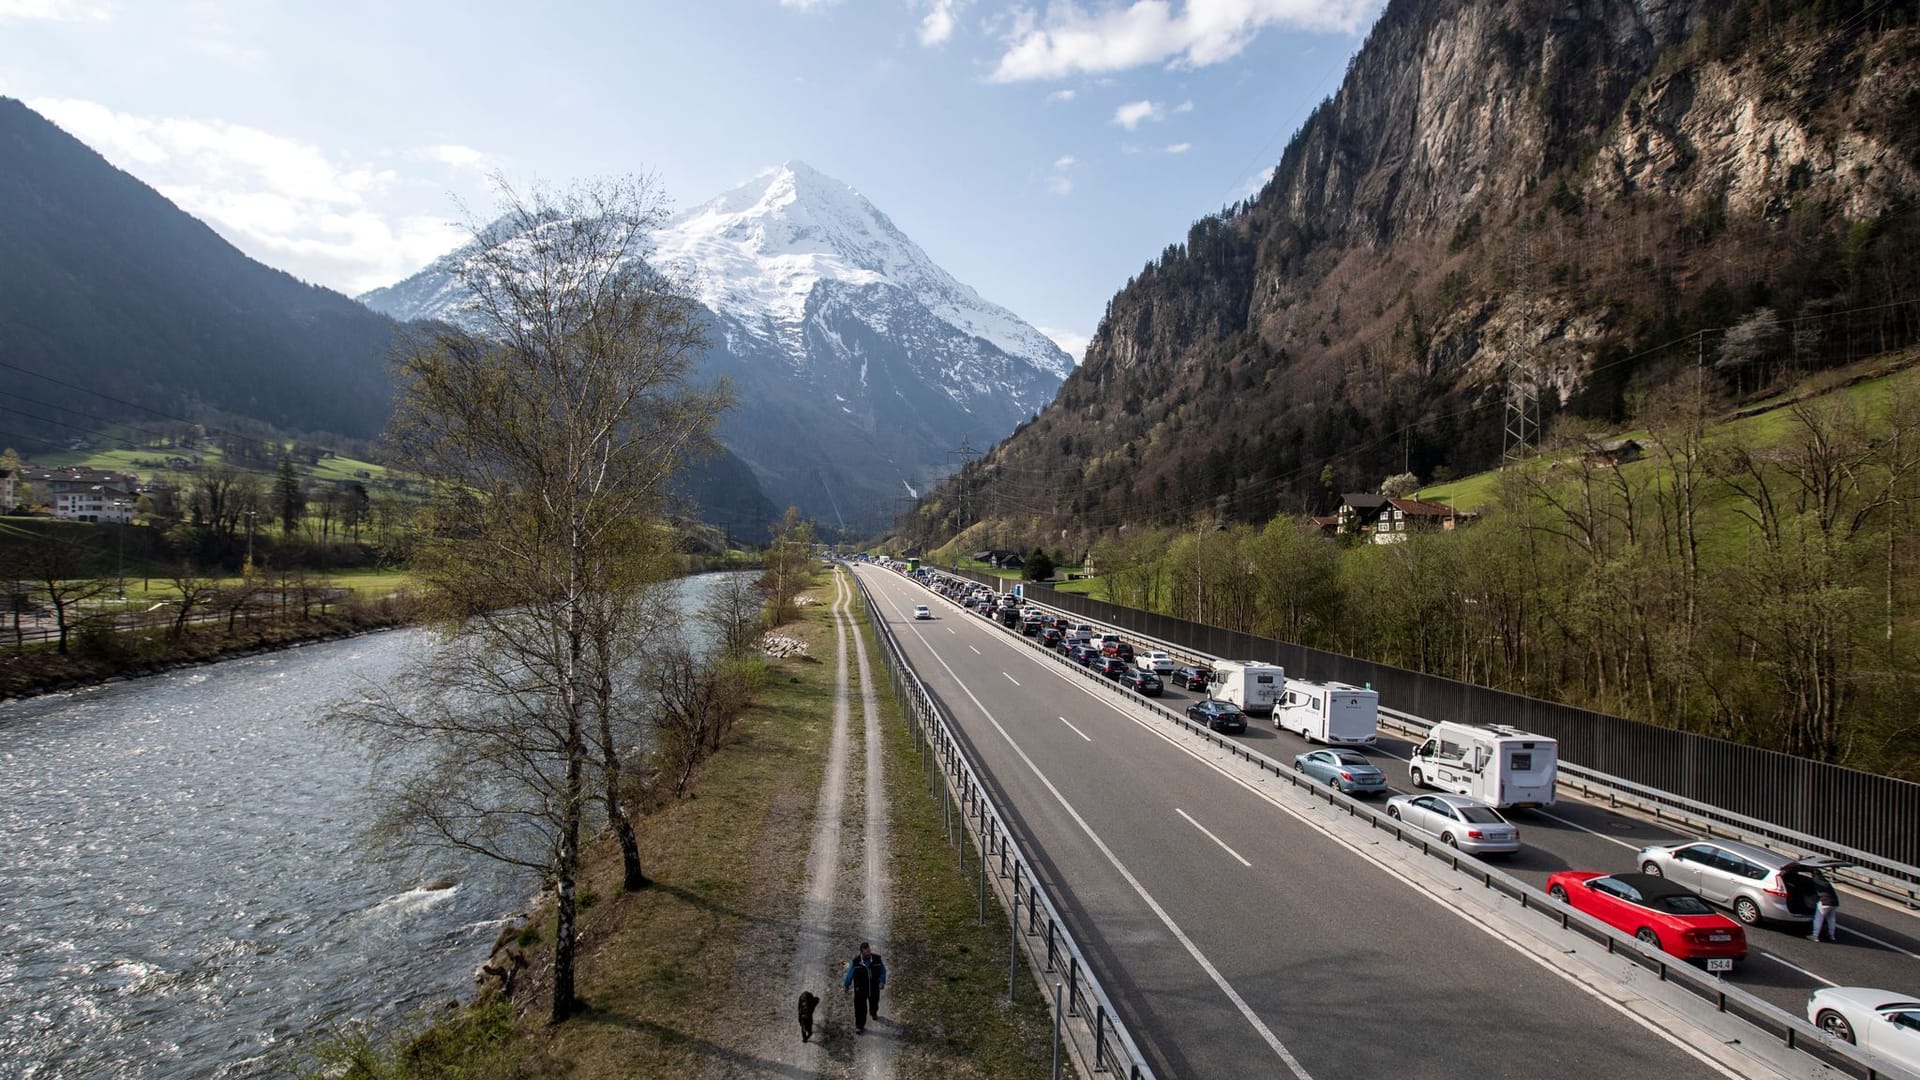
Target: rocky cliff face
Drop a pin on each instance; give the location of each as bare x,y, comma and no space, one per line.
1570,185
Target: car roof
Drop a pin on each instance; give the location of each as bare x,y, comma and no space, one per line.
1652,886
1773,860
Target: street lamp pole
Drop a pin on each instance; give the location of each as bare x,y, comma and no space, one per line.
120,560
248,570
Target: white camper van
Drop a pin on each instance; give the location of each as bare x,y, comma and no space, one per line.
1498,765
1332,713
1255,687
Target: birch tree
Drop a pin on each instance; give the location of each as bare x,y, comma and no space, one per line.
547,432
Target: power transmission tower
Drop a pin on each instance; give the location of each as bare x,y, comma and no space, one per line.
1519,366
964,479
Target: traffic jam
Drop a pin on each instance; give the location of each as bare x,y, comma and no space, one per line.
1722,904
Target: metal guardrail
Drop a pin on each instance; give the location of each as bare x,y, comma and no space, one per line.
1886,877
1083,1013
1794,1032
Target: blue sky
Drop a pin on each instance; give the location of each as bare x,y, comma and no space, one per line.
1042,153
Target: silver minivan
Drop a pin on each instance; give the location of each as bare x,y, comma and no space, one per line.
1756,883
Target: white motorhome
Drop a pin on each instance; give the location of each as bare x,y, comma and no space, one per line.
1498,765
1253,686
1333,713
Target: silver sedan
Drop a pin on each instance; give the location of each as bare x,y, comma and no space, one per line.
1460,822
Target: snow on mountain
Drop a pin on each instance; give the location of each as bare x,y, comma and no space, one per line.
857,363
758,251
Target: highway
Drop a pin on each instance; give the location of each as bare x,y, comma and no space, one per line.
1879,943
1235,938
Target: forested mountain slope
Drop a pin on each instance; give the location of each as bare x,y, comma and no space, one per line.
1611,192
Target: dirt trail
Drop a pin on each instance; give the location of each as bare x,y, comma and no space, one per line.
847,899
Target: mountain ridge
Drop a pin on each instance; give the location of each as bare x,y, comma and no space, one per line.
1574,187
858,363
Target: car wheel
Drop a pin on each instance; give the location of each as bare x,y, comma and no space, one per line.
1419,780
1746,911
1332,783
1447,839
1650,868
1558,893
1297,767
1834,1024
1647,935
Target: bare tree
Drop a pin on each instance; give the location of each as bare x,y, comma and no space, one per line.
546,436
68,573
735,614
196,591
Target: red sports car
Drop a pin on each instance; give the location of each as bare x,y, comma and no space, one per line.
1656,911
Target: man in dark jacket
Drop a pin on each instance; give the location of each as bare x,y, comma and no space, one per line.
865,977
1826,905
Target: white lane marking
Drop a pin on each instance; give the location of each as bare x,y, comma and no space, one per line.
976,652
1877,941
1788,963
951,630
1158,728
1076,730
1011,679
1210,836
1219,980
1596,832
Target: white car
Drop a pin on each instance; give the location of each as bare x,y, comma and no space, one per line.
1880,1022
921,611
1157,662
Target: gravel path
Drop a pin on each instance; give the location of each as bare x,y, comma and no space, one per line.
847,898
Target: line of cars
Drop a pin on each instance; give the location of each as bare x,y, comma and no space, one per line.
1673,899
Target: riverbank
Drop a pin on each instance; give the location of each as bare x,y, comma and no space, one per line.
676,977
93,659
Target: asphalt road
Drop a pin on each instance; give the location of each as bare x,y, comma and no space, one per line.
1879,944
1236,939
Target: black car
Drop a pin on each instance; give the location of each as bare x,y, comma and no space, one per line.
1050,637
1082,653
1030,627
1222,716
1144,682
1061,624
1192,678
1111,666
1009,618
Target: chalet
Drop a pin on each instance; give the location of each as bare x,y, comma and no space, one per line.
1402,516
1000,558
1358,511
1614,452
102,504
51,483
1328,525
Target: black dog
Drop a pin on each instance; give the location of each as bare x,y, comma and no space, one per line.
808,1003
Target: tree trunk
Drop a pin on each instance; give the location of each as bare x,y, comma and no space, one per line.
634,877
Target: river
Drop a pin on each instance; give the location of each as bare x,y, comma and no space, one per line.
187,891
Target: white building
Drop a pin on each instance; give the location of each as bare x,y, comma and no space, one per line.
99,504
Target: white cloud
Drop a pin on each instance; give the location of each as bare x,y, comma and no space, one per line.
1065,161
282,201
56,10
1185,106
1059,97
941,18
808,6
1177,148
1132,113
1195,33
1254,183
455,156
1060,185
1072,342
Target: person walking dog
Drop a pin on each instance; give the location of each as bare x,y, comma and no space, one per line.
866,977
1826,907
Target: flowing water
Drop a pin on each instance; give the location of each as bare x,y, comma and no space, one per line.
185,890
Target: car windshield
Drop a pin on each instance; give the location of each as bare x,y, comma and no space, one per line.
1680,904
1481,815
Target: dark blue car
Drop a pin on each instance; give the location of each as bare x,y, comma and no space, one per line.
1222,716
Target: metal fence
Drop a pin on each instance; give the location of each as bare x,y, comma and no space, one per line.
1085,1024
1870,814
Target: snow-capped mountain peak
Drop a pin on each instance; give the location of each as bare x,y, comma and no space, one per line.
758,251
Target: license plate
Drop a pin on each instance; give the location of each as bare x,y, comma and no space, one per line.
1719,937
1720,964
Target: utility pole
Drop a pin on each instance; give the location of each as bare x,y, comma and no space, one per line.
246,570
966,453
120,560
1522,435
